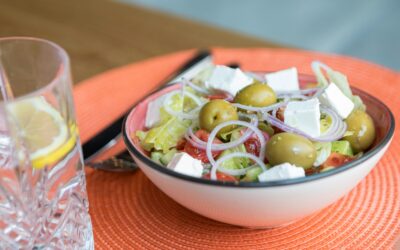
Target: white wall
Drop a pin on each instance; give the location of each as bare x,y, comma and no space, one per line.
367,29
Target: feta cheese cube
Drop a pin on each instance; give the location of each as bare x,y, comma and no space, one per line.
153,112
281,172
228,80
334,98
283,80
304,115
185,164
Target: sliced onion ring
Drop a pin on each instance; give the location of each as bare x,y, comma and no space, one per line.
319,92
335,131
190,115
236,172
316,67
298,92
287,98
198,143
195,87
259,109
205,91
214,132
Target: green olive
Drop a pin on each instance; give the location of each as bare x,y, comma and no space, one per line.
256,94
363,129
216,112
266,128
292,148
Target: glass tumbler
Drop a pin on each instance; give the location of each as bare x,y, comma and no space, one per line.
43,199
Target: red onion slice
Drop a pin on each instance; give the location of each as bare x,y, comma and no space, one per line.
214,132
190,115
298,92
236,172
198,143
319,92
205,91
287,98
259,109
335,131
229,97
196,87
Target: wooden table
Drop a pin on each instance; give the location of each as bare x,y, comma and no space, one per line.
99,35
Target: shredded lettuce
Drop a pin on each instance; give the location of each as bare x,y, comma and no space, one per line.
237,162
342,147
166,158
177,103
325,123
142,136
340,80
203,76
165,136
163,158
323,152
252,174
156,156
348,133
225,136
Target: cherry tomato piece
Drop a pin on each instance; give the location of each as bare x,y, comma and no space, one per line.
336,160
221,177
223,96
181,144
253,146
199,153
280,113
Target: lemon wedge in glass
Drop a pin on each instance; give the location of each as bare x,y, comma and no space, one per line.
44,131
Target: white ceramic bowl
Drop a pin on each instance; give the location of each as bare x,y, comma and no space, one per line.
261,205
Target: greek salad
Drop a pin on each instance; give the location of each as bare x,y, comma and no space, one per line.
229,125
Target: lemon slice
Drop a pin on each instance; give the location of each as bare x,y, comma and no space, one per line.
43,129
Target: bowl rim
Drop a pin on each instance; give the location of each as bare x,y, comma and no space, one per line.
148,162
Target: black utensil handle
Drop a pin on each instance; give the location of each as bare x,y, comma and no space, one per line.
104,137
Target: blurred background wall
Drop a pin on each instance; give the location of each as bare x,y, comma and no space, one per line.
367,29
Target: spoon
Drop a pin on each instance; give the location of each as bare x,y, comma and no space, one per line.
122,162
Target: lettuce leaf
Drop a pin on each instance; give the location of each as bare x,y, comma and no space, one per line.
177,103
252,174
339,79
323,152
163,158
165,136
203,76
342,147
237,162
325,123
225,136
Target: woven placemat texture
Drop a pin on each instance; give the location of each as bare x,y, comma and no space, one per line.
129,212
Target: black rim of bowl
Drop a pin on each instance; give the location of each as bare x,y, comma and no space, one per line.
147,161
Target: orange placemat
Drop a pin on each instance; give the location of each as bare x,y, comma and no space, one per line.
128,211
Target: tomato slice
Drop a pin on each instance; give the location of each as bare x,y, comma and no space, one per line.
181,144
252,146
336,160
198,153
221,177
311,85
280,113
223,96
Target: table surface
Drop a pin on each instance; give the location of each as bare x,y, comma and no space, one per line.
99,35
